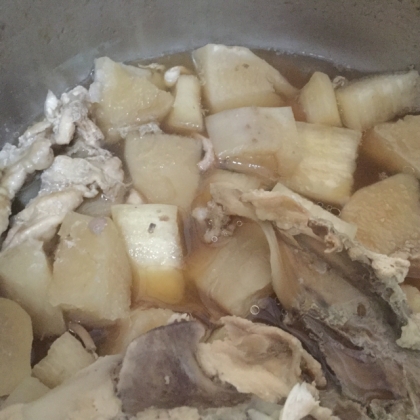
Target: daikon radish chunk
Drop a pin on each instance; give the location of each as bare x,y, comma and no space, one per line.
386,213
234,77
395,145
373,100
164,167
92,275
126,96
88,394
65,357
25,276
186,115
329,160
15,345
261,136
153,241
318,101
236,274
30,389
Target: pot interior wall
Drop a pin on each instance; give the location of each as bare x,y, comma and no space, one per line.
51,44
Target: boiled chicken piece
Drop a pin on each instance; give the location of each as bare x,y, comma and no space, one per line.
70,115
213,223
292,219
258,359
160,370
16,164
63,187
63,118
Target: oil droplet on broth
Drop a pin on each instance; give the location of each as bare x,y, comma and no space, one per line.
255,310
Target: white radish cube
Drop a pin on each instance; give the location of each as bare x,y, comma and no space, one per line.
126,96
236,274
395,145
370,101
263,136
30,389
65,357
235,77
164,167
153,241
26,276
186,115
15,345
92,274
318,101
326,170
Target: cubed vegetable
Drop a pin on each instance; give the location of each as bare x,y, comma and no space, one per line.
153,241
318,101
126,96
395,146
30,389
65,357
25,276
15,345
236,274
234,77
373,100
386,213
262,136
329,160
92,275
186,115
164,167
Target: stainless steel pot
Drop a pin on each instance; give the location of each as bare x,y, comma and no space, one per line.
51,44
